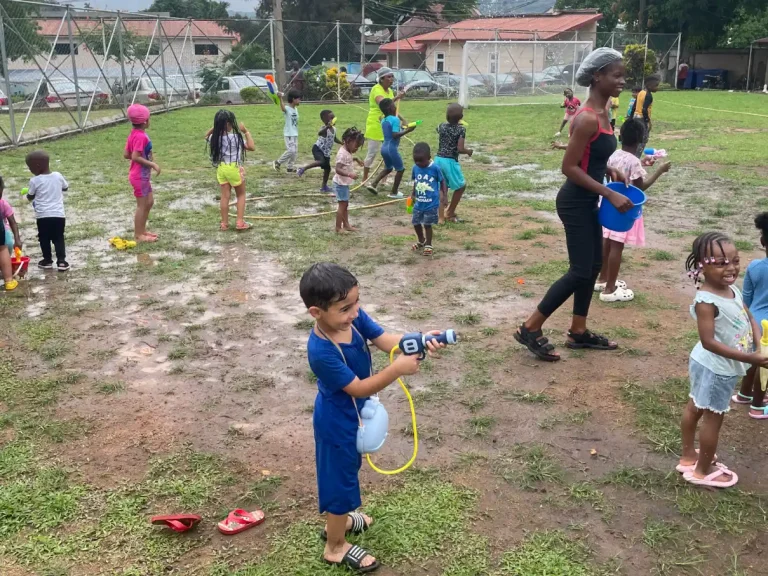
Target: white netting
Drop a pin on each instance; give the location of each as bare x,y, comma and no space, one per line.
520,72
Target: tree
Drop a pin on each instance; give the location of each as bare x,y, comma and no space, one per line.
745,28
608,8
20,27
247,57
197,9
638,63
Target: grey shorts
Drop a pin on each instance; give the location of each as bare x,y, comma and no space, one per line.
374,147
710,391
424,217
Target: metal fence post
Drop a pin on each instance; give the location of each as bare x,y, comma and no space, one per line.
613,38
450,34
533,65
74,68
645,56
338,60
573,65
397,45
119,24
677,62
272,43
162,61
7,76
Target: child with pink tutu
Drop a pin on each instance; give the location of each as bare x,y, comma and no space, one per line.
610,287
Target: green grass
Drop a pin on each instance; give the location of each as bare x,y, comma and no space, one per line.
548,554
529,397
528,466
657,411
662,256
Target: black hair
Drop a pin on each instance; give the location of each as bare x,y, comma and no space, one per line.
454,113
704,246
761,222
653,79
385,104
636,89
421,150
38,162
2,186
324,114
220,121
138,126
325,283
293,95
632,132
352,133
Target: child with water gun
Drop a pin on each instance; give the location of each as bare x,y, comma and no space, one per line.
322,149
227,142
452,136
429,192
289,104
46,192
571,105
352,140
393,131
756,299
339,356
11,241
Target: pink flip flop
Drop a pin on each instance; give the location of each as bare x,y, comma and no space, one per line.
741,399
709,479
682,468
763,416
239,520
176,522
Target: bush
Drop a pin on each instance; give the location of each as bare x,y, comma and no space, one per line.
252,95
210,100
634,56
210,78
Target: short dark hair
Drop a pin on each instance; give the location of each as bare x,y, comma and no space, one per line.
421,150
293,95
632,132
138,125
653,79
325,283
636,89
2,186
324,114
385,104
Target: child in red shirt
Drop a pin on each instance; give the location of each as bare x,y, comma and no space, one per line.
571,106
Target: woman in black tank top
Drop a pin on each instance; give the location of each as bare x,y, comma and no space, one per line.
585,165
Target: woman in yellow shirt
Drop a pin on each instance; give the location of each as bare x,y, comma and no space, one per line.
374,135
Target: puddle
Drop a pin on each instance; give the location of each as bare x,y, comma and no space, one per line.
192,203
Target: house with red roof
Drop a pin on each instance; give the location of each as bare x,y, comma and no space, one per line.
441,50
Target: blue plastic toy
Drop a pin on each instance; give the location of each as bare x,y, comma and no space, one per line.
649,151
615,220
373,431
416,342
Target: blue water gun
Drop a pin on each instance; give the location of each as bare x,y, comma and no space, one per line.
416,342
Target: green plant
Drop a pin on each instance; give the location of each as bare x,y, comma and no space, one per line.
209,100
210,79
252,95
639,63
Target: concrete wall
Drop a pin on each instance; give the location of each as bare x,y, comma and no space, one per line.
735,61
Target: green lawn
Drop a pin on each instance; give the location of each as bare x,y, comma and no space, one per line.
173,377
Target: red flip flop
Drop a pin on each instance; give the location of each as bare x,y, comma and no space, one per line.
177,522
239,520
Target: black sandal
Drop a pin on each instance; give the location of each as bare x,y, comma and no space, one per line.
358,525
536,343
353,559
590,341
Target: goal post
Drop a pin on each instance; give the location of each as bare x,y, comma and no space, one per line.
508,72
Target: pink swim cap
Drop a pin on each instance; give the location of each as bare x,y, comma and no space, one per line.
138,113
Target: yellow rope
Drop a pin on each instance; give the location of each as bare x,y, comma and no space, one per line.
303,216
407,465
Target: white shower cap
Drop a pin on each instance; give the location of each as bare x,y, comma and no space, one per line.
596,60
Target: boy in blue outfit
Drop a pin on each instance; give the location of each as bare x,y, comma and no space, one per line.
339,356
429,193
390,153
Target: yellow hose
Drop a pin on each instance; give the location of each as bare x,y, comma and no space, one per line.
303,216
407,465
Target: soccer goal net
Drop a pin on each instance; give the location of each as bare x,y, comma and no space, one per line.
520,72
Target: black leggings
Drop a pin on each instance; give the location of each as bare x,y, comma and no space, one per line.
51,231
584,237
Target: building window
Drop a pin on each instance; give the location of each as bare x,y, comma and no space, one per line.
439,61
206,50
63,48
492,62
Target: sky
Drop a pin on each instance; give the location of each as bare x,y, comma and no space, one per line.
245,6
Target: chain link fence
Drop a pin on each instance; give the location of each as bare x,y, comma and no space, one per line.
646,54
67,69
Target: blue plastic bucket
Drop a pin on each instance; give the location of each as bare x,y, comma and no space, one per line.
615,220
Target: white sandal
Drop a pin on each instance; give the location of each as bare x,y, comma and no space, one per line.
600,286
621,295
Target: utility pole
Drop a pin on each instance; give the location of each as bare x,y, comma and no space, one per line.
362,39
279,48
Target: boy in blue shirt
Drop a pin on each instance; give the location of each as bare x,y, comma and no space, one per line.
393,131
339,356
429,192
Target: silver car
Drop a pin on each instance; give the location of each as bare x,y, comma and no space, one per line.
231,86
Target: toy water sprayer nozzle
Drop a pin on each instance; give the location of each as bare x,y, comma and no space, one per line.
416,342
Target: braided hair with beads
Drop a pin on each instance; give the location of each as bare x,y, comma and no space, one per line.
703,251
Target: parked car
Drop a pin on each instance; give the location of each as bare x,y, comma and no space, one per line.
452,83
151,90
503,84
231,86
61,93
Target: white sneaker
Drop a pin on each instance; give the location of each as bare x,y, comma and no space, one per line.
600,286
621,295
397,196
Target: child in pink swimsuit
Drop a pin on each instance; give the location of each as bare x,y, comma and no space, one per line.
138,149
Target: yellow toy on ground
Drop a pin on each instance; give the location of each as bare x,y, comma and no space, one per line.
122,244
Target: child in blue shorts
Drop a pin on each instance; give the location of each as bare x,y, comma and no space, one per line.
429,193
451,144
393,131
340,358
